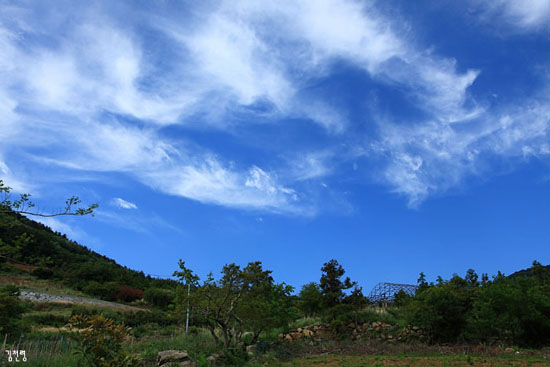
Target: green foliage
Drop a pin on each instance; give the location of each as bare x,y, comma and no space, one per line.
310,299
401,299
30,242
100,342
159,297
241,300
514,310
11,310
105,291
441,311
42,272
332,286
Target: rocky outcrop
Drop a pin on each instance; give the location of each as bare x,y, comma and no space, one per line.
174,358
369,330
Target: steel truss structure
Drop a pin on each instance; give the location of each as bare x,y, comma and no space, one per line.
385,292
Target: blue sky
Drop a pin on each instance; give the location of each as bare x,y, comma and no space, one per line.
394,136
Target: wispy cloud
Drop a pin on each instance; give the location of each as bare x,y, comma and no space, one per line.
72,232
521,15
100,95
121,203
431,157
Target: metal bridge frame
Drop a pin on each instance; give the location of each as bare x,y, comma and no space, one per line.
385,292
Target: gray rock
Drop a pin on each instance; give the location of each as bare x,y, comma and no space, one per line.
166,357
251,349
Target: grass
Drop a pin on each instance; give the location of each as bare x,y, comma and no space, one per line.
457,360
52,350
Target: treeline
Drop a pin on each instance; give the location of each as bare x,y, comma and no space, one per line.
53,256
512,310
503,310
246,301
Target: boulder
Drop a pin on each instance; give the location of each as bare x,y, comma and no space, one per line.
173,358
251,349
214,359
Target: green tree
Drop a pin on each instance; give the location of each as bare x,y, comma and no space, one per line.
423,284
513,310
242,300
310,299
332,285
472,278
441,310
159,297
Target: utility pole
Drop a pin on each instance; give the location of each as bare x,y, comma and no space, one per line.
187,318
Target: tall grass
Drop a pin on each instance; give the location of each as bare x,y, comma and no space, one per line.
45,350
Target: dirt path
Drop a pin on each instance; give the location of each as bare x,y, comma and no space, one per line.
35,296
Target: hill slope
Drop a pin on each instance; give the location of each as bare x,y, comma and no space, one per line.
28,246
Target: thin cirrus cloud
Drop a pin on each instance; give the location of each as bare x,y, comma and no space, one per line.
520,15
432,157
121,203
103,89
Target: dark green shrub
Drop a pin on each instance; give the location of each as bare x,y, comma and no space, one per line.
441,310
11,310
310,299
514,311
159,297
43,272
106,291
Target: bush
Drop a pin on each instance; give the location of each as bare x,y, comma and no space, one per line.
43,272
106,291
100,342
513,310
441,310
11,310
159,297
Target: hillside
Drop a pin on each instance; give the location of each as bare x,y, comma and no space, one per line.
31,248
544,270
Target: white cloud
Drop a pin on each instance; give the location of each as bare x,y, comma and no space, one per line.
230,57
431,157
522,15
121,203
213,183
310,165
12,180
